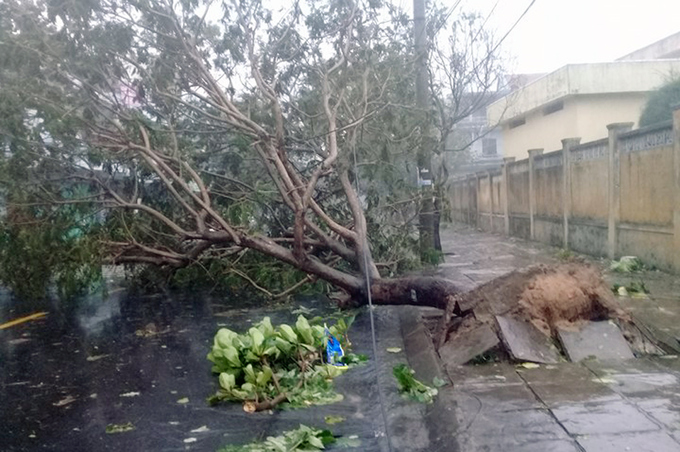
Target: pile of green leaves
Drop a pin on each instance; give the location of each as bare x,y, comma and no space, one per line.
635,288
412,388
627,264
268,365
303,438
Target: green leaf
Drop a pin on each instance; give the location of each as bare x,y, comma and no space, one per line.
304,330
332,419
283,345
288,334
264,376
120,428
410,387
249,373
227,381
266,327
257,340
315,442
231,355
224,338
439,382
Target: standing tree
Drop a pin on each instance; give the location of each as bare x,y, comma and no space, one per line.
200,133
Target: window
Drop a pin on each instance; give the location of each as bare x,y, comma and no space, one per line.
517,122
552,108
488,146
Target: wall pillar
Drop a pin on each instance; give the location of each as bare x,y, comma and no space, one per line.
469,198
505,193
532,191
567,145
676,186
614,191
488,174
478,212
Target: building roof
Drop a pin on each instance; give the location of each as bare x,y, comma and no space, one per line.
583,79
668,47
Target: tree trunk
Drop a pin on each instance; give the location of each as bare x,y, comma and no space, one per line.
410,290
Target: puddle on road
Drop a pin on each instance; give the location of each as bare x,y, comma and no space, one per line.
129,360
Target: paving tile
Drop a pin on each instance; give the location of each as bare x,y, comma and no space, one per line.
489,430
494,374
525,342
602,340
638,442
495,398
630,366
603,418
556,373
664,410
568,393
638,385
511,445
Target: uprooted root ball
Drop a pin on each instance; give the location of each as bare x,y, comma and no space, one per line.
548,296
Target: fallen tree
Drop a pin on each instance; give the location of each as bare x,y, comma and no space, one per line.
197,133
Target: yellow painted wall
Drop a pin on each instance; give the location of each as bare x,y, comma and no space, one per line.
595,111
540,131
586,117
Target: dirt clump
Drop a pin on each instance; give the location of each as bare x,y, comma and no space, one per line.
565,296
548,296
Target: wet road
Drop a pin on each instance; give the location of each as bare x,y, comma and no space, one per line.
66,377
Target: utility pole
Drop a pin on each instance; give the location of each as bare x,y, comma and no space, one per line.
428,218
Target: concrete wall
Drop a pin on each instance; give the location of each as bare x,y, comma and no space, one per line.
593,95
610,197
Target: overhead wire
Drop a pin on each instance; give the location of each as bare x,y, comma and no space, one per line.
381,397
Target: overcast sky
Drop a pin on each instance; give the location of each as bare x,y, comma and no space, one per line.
559,32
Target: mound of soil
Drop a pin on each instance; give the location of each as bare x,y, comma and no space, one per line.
548,296
565,296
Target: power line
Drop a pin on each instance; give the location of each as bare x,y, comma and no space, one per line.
513,26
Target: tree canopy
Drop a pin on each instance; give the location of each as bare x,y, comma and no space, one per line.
227,140
660,105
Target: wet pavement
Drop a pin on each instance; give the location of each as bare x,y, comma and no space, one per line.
66,377
592,406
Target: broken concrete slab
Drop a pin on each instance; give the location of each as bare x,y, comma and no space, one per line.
600,340
418,345
468,345
525,342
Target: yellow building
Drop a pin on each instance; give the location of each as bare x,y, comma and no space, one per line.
577,100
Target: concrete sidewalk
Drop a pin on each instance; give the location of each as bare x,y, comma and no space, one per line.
591,406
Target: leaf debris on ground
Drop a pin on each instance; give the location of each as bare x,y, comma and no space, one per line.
120,428
333,419
412,388
302,439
